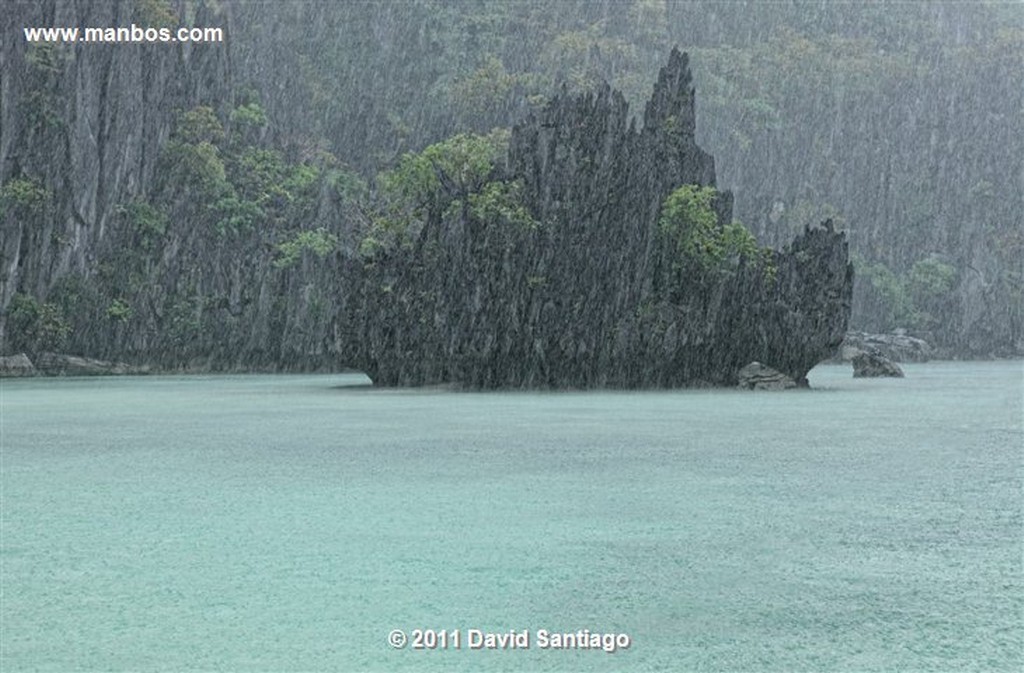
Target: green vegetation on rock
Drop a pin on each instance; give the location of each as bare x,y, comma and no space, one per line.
914,300
461,173
23,196
689,221
36,326
320,242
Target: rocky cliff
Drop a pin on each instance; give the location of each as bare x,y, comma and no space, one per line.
81,130
598,268
144,215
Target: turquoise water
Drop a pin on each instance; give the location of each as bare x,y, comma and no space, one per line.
280,523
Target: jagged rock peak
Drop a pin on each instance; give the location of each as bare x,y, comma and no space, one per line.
673,95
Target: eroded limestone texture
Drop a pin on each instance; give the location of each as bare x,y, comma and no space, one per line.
595,294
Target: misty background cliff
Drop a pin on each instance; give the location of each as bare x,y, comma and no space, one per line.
193,203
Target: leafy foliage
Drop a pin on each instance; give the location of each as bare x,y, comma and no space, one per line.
916,299
235,187
689,221
894,306
23,196
479,94
237,215
249,114
930,278
184,323
147,221
36,326
929,284
259,176
454,167
42,101
197,165
446,176
119,310
200,125
154,14
501,202
43,58
319,241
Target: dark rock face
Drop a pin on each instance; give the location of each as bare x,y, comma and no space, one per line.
873,365
757,376
594,295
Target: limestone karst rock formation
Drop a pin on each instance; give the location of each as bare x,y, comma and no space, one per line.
595,292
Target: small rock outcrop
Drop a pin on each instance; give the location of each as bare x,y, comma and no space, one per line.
59,364
897,346
16,366
872,364
757,376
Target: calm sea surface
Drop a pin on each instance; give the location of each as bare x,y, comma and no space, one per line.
285,523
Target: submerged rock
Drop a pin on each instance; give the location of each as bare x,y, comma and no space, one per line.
757,376
874,364
16,366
